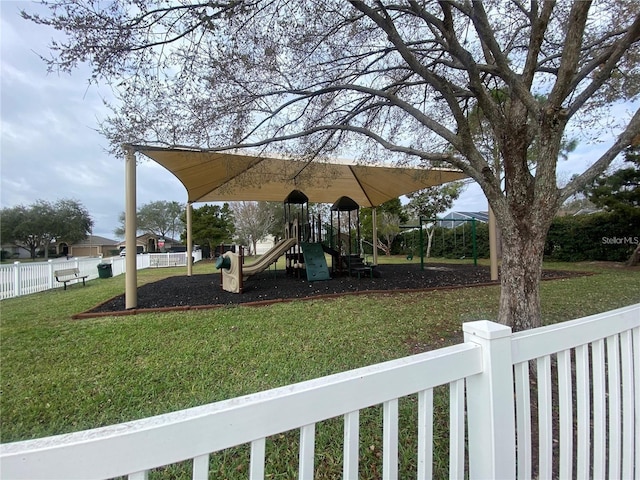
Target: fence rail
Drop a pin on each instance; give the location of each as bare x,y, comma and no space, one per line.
484,375
19,278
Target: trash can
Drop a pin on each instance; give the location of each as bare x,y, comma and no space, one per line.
104,270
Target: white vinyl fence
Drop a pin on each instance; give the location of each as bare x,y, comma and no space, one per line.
587,376
20,278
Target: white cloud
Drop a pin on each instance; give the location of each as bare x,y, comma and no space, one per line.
49,147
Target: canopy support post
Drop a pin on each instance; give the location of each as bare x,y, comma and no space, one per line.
130,230
189,240
374,222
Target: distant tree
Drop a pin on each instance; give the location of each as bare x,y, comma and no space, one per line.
73,221
432,201
575,204
388,230
391,211
277,226
161,218
252,221
21,225
212,225
38,225
619,193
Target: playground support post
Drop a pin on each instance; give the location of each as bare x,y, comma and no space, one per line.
474,242
189,240
421,244
131,272
374,222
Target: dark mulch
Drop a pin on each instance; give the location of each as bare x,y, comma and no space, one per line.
269,286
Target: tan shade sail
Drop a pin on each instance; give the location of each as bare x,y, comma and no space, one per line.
219,176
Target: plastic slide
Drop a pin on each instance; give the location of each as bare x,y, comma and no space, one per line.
268,258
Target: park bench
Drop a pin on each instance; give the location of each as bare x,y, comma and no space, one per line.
68,275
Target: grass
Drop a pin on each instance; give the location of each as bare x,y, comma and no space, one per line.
59,375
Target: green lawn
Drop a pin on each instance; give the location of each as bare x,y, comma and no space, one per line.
60,375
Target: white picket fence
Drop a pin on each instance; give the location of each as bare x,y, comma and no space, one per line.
19,278
592,417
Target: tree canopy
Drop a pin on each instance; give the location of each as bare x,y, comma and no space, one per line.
212,225
396,80
161,218
619,191
36,226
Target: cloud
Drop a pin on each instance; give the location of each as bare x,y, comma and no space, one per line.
50,148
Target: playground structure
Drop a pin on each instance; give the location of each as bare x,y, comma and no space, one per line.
344,248
303,247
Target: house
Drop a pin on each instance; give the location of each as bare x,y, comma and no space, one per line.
92,246
152,243
265,244
14,251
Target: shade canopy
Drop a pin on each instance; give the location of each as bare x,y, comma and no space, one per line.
220,176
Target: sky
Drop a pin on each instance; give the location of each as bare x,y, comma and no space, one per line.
50,148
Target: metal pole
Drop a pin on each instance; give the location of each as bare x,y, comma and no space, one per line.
493,245
474,242
189,240
130,229
421,244
374,221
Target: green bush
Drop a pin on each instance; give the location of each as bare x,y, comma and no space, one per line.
599,236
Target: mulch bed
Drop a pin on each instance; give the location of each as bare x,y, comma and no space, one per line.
204,291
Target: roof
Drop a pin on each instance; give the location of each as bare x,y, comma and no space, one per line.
95,240
144,238
239,176
455,219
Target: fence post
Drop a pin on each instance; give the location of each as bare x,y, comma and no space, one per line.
17,280
490,403
50,262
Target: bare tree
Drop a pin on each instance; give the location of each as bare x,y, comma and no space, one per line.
365,77
389,229
432,201
253,221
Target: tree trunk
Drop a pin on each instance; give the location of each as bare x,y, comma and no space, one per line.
521,270
634,259
383,247
430,234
